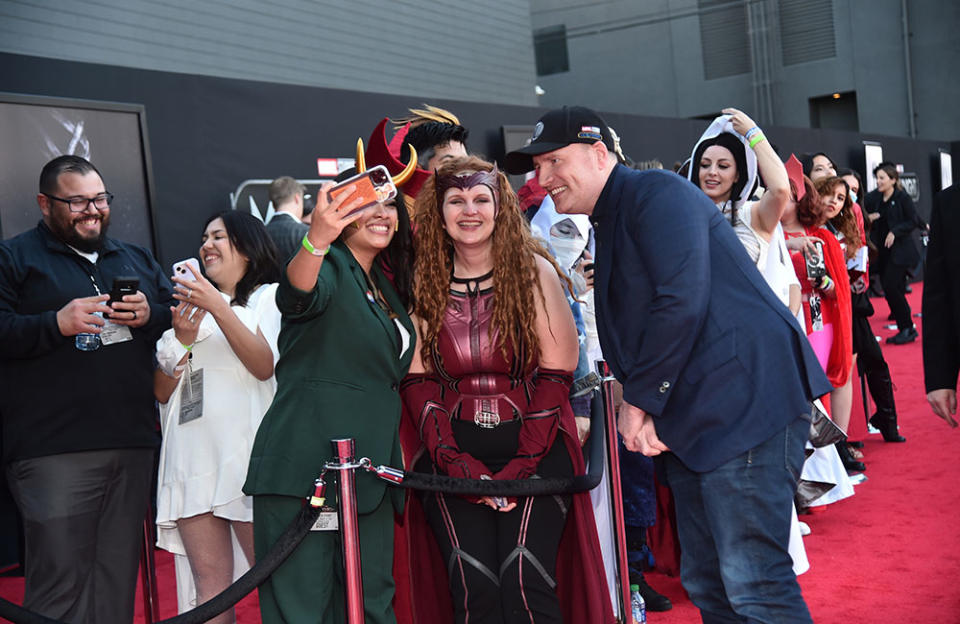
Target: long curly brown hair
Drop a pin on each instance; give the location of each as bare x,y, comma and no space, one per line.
845,222
515,275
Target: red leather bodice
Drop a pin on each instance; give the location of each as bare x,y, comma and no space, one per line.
483,383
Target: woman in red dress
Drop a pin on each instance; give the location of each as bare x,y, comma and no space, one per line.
820,265
488,399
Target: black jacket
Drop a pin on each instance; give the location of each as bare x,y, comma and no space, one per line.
941,294
287,234
897,215
689,326
55,398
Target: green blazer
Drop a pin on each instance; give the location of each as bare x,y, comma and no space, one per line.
338,376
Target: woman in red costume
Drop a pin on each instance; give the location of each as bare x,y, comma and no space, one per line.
487,398
826,298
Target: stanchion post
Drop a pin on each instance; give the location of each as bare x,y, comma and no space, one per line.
148,573
616,490
343,451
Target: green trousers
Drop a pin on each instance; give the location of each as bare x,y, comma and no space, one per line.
308,586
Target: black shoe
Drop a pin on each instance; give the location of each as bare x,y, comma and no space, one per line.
903,336
887,424
849,463
891,317
654,600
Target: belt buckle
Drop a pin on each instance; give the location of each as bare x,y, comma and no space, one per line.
486,419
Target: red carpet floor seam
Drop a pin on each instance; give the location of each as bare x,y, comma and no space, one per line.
891,553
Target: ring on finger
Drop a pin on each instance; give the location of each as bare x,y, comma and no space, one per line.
134,314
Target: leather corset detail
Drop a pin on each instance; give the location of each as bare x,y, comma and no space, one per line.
486,388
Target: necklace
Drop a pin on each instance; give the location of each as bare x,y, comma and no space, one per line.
375,296
472,283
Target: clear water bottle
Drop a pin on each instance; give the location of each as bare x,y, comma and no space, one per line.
88,342
638,607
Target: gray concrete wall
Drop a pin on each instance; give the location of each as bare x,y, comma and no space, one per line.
454,49
647,58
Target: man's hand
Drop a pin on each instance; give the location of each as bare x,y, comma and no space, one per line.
888,242
77,317
638,431
133,311
944,404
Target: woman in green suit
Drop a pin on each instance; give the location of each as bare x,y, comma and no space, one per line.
346,342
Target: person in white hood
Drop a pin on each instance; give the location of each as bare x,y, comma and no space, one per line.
724,165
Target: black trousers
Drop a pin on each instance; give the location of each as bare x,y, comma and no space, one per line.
501,566
894,282
83,524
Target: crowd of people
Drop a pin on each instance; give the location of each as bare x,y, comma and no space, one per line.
450,330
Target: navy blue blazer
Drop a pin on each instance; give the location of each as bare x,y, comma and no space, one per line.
689,326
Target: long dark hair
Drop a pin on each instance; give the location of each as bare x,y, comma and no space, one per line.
807,161
735,146
249,237
397,258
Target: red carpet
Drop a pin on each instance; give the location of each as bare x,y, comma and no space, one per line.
891,553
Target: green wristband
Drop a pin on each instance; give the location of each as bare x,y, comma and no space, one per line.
756,139
313,250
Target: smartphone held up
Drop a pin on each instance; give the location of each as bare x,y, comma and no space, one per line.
373,185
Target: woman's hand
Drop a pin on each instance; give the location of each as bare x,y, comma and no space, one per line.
582,269
199,292
740,120
889,240
496,506
186,322
330,217
873,216
802,243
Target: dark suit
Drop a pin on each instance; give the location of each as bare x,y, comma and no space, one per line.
941,294
338,376
701,342
897,215
287,234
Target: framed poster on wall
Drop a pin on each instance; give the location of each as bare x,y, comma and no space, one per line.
113,136
873,156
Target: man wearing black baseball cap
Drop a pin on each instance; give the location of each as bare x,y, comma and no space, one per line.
692,331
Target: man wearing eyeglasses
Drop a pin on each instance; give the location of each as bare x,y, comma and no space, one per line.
79,425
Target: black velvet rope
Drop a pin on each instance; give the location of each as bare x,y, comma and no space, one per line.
521,487
300,526
254,577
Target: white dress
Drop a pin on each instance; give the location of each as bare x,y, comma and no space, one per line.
203,462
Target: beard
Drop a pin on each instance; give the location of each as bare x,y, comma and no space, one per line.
64,227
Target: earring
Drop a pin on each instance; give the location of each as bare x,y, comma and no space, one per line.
396,226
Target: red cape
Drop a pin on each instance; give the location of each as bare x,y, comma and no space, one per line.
841,351
422,592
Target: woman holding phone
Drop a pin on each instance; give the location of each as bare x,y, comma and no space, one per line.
214,383
345,345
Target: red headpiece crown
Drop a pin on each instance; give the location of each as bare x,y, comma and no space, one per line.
795,172
488,178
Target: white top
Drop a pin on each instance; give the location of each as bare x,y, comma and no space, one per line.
203,462
771,257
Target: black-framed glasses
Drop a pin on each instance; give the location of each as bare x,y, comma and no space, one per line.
80,204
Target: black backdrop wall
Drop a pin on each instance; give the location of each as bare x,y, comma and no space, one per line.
208,134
